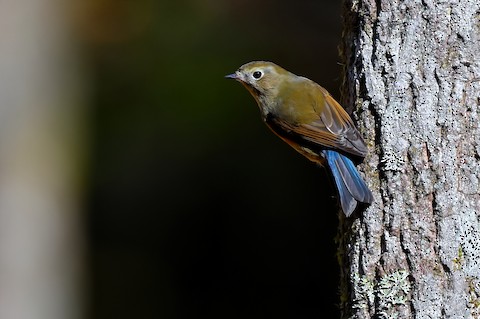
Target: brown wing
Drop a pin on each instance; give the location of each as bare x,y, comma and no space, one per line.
331,127
337,121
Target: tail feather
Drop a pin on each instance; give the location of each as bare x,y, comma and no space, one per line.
350,185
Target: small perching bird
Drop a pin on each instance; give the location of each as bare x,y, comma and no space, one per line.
305,115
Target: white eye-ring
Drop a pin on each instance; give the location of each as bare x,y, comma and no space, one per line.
257,75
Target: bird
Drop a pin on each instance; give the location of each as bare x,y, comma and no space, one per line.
305,116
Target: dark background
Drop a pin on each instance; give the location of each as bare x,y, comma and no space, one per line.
196,210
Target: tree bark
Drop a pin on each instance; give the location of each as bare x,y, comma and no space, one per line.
413,79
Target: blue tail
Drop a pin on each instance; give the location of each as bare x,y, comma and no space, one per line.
350,185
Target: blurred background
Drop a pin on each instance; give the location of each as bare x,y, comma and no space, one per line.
137,182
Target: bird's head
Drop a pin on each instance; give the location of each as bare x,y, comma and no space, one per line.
262,79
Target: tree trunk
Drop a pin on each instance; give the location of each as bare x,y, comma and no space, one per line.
413,79
41,152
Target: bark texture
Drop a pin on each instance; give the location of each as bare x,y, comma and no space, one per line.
413,78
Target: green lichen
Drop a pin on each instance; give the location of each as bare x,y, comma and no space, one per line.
474,297
459,260
366,292
385,293
393,290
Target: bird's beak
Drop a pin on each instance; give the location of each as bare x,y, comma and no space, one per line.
232,76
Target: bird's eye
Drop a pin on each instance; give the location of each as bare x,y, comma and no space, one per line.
257,75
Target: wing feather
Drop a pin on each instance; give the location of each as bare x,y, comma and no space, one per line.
328,125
